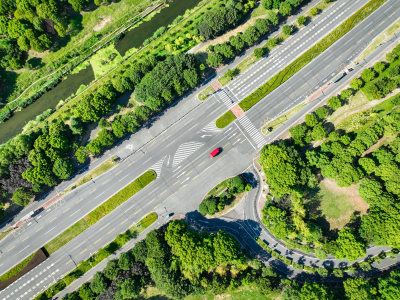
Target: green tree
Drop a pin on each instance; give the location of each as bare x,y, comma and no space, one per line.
237,41
99,283
267,4
112,269
22,196
301,20
356,84
82,154
334,103
130,288
272,17
63,168
359,289
318,132
285,8
78,5
349,245
287,29
214,59
258,52
125,261
311,120
379,67
370,189
251,35
85,292
368,75
367,164
321,112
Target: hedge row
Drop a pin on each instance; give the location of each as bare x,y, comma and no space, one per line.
102,210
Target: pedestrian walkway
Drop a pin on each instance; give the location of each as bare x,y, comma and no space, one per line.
251,129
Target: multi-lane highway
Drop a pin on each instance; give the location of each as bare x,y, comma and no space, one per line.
180,157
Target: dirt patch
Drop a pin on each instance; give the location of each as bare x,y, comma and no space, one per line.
375,146
101,25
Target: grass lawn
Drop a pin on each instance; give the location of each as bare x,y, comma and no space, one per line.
207,92
105,60
18,268
218,189
225,119
99,212
105,166
337,204
380,39
274,124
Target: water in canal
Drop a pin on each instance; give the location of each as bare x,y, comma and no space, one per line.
132,39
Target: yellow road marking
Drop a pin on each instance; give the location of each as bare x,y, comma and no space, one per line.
83,251
124,221
97,241
11,248
111,231
40,228
138,211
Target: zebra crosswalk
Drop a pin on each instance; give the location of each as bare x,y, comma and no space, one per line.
252,130
223,96
184,151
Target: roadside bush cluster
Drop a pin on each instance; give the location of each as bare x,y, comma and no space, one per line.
216,203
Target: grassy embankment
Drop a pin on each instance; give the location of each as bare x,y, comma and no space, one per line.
307,57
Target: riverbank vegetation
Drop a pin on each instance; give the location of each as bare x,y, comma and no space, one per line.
300,209
66,28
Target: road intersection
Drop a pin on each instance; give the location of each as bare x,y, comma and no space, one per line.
179,155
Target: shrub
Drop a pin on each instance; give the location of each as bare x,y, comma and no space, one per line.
301,20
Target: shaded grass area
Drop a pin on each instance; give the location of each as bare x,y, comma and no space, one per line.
105,166
100,255
274,124
225,119
22,268
102,210
309,55
334,205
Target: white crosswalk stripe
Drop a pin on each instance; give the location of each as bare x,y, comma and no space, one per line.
184,151
251,129
211,128
157,166
221,94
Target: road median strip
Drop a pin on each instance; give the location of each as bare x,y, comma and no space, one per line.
90,219
101,254
303,60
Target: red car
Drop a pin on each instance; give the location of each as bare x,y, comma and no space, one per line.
215,152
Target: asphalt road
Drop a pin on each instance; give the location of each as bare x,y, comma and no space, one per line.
180,158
